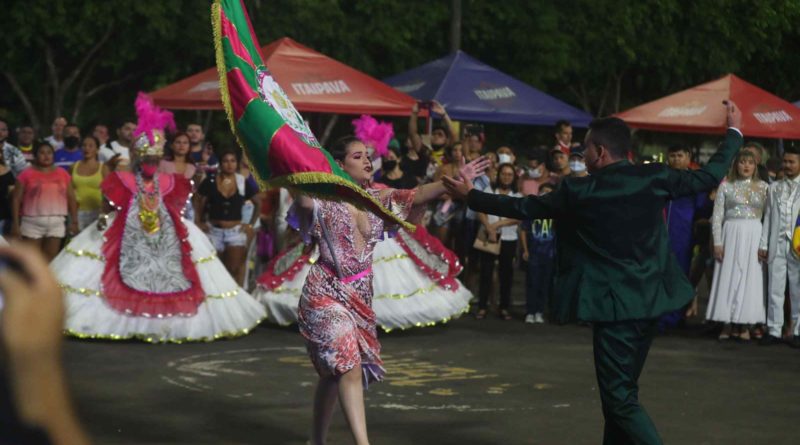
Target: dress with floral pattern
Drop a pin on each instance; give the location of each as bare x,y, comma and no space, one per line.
335,313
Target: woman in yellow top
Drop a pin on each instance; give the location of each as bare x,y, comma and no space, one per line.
87,174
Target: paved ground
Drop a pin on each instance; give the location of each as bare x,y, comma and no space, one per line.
469,382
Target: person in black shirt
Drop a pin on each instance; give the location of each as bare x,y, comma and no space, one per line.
392,173
6,186
218,212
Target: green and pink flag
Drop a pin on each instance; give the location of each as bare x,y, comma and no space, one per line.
277,142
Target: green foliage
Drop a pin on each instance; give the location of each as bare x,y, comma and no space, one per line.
601,55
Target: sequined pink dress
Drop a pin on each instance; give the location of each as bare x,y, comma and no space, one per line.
335,313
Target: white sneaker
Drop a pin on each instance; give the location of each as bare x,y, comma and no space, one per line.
530,319
538,318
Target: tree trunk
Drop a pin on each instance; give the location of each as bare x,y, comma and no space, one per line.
26,102
328,129
455,26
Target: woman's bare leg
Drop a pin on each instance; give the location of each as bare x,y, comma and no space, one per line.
51,247
351,397
234,259
324,402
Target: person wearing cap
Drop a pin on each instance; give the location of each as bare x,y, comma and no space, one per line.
558,163
577,164
615,268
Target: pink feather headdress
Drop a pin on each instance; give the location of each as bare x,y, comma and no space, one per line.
149,138
373,133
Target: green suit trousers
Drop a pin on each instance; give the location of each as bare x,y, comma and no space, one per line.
620,350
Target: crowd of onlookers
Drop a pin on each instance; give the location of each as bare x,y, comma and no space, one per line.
50,186
739,236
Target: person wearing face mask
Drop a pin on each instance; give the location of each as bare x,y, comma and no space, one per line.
143,272
577,165
535,173
71,153
393,175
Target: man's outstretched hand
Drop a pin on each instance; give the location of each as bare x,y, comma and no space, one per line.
457,188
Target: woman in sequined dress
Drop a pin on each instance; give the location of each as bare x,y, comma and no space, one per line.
737,290
335,313
143,271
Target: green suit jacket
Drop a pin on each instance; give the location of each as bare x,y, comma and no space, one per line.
614,262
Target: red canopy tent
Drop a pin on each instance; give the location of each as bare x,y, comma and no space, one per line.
313,81
700,110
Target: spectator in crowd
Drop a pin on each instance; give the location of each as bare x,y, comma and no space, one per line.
177,159
504,229
392,173
12,156
758,153
56,139
563,134
35,406
117,154
505,155
474,141
469,232
25,138
202,152
559,165
774,169
71,130
87,174
71,153
577,165
218,212
449,213
491,172
680,216
43,197
539,250
680,212
737,291
775,248
441,135
703,262
6,187
536,172
100,132
416,160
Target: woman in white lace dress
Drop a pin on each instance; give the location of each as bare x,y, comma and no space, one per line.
737,290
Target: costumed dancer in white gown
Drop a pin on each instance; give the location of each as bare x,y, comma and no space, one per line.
737,290
143,271
414,282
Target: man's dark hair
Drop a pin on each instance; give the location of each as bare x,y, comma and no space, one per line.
561,124
791,150
613,134
674,148
122,123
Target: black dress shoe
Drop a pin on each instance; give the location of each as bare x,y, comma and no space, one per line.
795,342
769,340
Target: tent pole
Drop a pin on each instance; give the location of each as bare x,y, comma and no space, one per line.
328,129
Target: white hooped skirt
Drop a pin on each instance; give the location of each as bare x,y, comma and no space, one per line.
737,290
404,296
228,310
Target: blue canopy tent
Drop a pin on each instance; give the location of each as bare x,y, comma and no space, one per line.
474,91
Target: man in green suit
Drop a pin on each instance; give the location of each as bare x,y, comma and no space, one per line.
615,268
